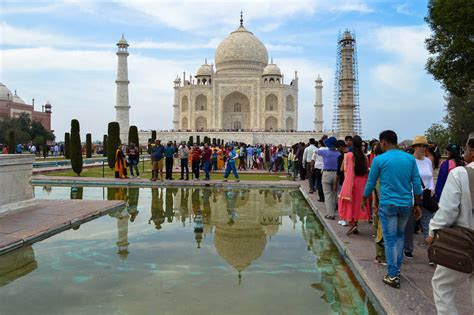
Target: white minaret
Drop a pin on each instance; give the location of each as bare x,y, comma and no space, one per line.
177,84
122,106
318,105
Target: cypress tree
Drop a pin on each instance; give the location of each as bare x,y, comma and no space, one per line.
133,136
104,146
67,146
76,152
88,145
213,141
191,141
113,141
153,135
198,139
11,142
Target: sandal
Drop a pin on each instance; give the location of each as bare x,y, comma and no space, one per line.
352,230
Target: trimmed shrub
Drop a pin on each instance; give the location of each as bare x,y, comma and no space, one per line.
67,146
133,136
153,135
104,146
88,145
11,142
113,141
76,148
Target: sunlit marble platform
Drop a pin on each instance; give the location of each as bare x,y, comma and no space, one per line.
45,218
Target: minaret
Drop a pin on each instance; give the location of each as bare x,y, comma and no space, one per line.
318,105
177,84
122,106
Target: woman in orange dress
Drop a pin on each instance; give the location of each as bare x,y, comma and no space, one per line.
220,158
355,167
120,163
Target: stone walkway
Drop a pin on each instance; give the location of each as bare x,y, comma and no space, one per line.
48,217
415,295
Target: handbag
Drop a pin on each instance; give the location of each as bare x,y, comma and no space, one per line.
428,201
453,247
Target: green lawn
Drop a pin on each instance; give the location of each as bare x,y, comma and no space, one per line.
97,172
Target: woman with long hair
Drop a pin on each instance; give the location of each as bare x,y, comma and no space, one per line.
356,169
454,160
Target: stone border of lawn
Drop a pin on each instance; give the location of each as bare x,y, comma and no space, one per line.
346,256
112,182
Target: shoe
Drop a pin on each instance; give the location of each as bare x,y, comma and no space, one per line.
237,180
343,223
408,255
330,217
380,261
187,179
224,181
310,192
153,179
394,282
432,264
131,177
352,230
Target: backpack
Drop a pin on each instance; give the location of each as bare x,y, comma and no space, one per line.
453,247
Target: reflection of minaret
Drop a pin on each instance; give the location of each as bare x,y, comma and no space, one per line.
122,106
198,228
318,105
346,120
122,230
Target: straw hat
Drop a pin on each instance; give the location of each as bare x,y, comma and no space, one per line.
419,140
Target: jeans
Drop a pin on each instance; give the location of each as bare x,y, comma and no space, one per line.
426,216
394,220
133,164
169,167
184,165
214,164
409,231
195,167
207,168
231,167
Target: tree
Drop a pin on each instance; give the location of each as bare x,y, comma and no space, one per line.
76,148
191,141
198,140
133,135
11,142
88,145
67,146
438,134
451,44
153,135
104,146
113,141
460,117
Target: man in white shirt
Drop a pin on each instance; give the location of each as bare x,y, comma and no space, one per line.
307,155
455,208
318,166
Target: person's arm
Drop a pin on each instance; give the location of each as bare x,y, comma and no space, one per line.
449,205
374,175
417,191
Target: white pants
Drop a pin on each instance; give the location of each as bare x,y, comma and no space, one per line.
330,196
445,282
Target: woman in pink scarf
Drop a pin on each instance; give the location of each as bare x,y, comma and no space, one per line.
355,167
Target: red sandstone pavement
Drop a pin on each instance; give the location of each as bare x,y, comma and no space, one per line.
415,295
46,218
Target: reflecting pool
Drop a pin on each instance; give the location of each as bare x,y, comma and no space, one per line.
184,251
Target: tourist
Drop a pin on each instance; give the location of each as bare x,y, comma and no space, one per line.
355,168
329,176
206,160
196,160
433,154
453,160
242,153
120,167
250,152
348,140
455,208
307,158
157,167
399,179
56,150
291,160
183,152
425,169
377,225
280,159
214,158
169,154
318,168
5,149
341,147
133,158
231,165
299,161
220,158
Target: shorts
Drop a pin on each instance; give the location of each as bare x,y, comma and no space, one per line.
157,165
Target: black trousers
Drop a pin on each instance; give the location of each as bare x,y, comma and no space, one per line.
184,166
319,183
195,167
169,167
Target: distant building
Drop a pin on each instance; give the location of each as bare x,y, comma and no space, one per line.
11,106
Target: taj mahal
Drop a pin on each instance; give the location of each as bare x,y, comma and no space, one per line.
244,98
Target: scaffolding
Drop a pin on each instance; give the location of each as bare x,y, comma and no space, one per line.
346,115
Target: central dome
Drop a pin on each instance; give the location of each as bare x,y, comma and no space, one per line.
241,51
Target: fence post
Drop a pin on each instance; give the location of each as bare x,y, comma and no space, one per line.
103,168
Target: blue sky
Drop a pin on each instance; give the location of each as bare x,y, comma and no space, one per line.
64,52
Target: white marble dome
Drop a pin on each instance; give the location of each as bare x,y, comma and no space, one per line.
5,93
205,70
18,99
272,69
241,50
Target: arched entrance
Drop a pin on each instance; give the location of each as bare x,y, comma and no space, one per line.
271,124
201,123
236,111
290,124
184,123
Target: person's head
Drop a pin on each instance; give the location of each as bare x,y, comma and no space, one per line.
348,140
195,145
341,146
364,146
169,144
419,145
360,163
469,151
454,153
206,145
388,140
120,146
331,143
312,141
157,142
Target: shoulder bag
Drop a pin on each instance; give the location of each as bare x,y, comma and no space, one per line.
428,201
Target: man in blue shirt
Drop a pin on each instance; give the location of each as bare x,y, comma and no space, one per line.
399,181
157,166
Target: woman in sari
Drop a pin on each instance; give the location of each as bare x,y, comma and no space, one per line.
355,167
120,163
220,158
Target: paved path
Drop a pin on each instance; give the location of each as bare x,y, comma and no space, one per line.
46,218
143,182
415,295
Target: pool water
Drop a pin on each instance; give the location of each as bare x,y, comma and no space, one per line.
184,251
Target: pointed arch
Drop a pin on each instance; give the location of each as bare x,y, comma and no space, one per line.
290,103
271,102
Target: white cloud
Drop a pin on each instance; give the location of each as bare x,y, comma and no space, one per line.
403,8
350,6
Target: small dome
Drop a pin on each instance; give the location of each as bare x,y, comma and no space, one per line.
122,41
205,69
5,93
17,99
241,50
272,69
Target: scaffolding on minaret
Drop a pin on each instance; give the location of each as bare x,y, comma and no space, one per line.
346,115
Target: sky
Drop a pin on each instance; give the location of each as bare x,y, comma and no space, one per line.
64,52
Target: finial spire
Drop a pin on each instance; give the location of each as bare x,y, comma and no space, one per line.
241,18
271,60
205,61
